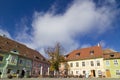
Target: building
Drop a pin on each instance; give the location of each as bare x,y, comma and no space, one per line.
112,63
17,59
87,62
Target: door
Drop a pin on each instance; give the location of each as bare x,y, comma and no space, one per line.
108,73
92,73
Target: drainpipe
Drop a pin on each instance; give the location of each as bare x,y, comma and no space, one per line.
4,75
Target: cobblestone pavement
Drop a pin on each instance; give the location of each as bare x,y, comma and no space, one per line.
63,79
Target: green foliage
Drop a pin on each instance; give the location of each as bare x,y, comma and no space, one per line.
56,57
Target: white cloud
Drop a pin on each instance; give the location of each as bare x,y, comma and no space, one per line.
81,18
4,33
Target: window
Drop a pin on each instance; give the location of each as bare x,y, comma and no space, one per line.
71,64
91,52
77,54
14,51
92,63
71,72
1,58
107,63
117,72
84,72
99,72
77,72
28,63
83,63
21,62
112,55
115,62
77,64
9,70
98,63
13,60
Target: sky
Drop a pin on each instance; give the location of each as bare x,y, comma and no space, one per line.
73,23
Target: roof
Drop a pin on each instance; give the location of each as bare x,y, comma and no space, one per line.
8,45
108,51
113,55
85,53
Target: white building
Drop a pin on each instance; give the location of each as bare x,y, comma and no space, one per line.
86,61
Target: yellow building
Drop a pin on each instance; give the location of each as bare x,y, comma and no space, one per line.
112,64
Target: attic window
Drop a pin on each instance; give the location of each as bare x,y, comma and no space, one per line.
91,52
43,59
37,57
77,54
14,51
17,46
7,43
66,55
112,55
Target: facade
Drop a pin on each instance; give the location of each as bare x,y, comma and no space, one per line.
87,62
19,60
112,64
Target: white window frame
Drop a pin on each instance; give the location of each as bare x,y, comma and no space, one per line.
83,64
117,72
13,59
77,64
98,62
115,62
92,63
71,64
107,63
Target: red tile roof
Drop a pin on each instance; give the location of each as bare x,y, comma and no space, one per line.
113,55
108,51
8,45
85,53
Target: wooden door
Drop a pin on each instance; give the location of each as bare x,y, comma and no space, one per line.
108,73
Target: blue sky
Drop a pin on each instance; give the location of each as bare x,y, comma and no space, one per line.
73,23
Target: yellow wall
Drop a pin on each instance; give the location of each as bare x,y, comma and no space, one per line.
112,67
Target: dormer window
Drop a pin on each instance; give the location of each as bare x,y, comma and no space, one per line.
91,52
37,57
14,51
112,55
66,56
77,54
7,43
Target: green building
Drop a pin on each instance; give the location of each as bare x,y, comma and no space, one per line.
13,64
14,59
17,60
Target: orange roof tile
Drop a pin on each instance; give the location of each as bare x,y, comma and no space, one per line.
8,45
85,53
108,51
113,55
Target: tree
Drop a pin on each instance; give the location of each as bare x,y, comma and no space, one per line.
56,57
